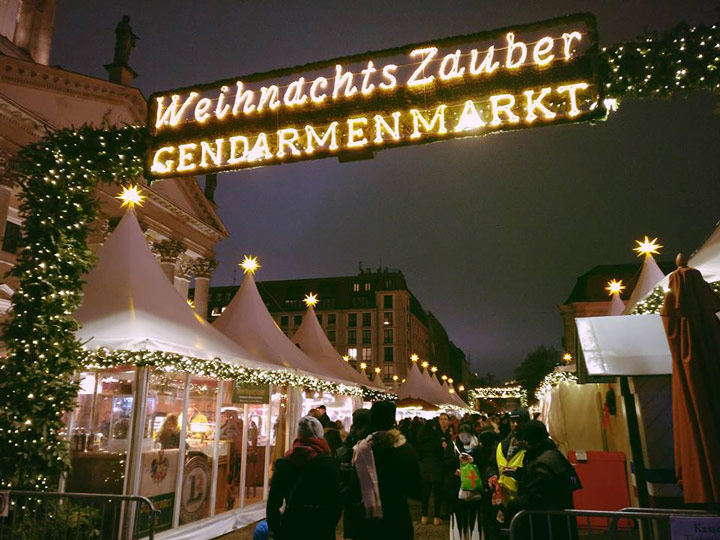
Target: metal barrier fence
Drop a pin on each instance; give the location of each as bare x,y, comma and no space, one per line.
626,524
34,515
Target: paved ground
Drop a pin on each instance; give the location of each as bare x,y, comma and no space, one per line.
422,532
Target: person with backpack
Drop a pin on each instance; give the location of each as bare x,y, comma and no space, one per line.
547,483
306,482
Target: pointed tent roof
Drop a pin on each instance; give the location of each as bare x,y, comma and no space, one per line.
455,397
617,306
435,391
444,393
650,277
313,342
247,322
415,386
129,304
377,381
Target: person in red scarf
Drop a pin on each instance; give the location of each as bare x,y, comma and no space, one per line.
306,481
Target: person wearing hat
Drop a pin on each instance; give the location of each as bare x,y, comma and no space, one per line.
387,473
306,482
548,483
509,457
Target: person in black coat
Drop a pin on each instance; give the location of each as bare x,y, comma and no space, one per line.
306,481
398,476
431,452
547,483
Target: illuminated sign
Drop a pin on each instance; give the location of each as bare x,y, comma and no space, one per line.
466,86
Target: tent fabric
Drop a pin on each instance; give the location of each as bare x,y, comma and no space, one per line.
707,258
247,322
313,342
617,306
129,304
650,277
573,418
416,386
693,334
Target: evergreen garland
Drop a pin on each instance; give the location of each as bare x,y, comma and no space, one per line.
677,62
56,176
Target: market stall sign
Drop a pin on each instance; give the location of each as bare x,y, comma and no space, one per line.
466,86
250,393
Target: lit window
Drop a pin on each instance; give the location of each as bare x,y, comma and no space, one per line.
352,353
367,286
388,372
356,287
366,354
388,318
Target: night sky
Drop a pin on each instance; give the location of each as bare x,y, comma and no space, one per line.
492,232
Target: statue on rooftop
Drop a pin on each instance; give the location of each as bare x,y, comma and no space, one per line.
124,42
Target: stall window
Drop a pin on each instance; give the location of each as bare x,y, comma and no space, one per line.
161,442
200,423
100,433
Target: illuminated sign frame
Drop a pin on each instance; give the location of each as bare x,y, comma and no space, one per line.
538,74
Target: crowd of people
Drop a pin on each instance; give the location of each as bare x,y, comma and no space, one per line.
478,471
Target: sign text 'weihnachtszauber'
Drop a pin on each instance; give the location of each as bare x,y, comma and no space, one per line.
466,86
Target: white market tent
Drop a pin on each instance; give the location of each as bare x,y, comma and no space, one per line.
129,304
617,306
247,322
314,343
377,381
416,386
454,398
650,277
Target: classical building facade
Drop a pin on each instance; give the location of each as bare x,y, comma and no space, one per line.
371,317
179,221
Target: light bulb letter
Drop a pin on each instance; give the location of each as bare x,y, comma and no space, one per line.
235,156
243,100
469,118
160,166
503,103
420,120
487,65
185,157
536,104
287,137
382,126
512,46
201,110
269,98
452,61
261,149
172,115
568,38
355,131
206,152
294,94
221,109
315,141
388,74
571,90
368,87
343,83
320,82
541,50
418,77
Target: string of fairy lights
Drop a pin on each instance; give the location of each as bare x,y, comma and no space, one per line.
57,176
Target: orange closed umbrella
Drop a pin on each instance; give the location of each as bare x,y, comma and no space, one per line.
693,333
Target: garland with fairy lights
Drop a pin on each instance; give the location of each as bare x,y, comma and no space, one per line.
56,177
499,392
679,61
653,302
554,379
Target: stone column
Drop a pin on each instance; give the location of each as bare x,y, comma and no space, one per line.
203,269
169,250
183,274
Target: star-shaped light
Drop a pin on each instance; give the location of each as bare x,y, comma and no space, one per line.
461,388
191,303
647,247
433,369
450,381
346,358
444,377
363,365
131,196
311,300
567,357
250,264
615,287
414,357
425,364
395,377
377,370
